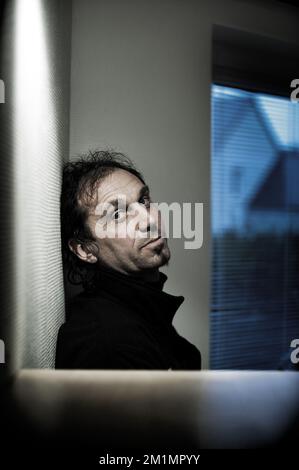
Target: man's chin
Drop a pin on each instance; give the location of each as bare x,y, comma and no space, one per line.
164,257
165,262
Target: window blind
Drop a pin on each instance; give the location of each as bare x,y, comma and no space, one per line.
255,229
35,60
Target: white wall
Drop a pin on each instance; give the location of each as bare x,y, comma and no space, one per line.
140,83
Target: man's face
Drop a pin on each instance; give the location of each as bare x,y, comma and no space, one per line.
140,246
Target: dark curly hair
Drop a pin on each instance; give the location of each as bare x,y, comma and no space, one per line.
79,183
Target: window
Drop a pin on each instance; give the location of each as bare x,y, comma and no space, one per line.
236,179
255,229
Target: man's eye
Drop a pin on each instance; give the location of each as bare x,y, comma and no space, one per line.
118,214
145,200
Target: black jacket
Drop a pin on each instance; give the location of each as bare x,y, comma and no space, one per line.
124,323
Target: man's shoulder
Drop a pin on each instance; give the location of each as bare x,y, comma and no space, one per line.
100,315
84,306
97,330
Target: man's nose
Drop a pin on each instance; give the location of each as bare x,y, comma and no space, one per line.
148,220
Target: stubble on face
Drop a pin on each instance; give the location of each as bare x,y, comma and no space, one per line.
130,255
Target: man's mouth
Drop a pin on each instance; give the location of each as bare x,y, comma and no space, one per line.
154,241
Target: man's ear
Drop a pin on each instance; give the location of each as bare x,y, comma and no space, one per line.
82,251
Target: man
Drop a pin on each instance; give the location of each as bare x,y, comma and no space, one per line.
113,245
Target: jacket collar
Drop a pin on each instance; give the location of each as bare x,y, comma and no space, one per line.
147,298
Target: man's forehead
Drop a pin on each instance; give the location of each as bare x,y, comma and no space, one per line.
118,183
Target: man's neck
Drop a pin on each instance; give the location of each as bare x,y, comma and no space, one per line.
150,275
147,275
